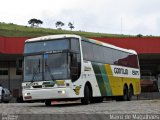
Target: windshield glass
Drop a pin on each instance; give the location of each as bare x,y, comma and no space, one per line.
33,68
46,67
52,60
56,66
49,45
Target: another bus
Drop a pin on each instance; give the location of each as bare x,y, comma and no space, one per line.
70,67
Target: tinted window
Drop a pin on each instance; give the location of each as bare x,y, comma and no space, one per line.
133,61
98,53
75,45
87,50
125,59
50,45
116,56
108,55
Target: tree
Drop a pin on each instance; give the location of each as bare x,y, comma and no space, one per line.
39,22
35,22
59,24
32,22
139,35
71,26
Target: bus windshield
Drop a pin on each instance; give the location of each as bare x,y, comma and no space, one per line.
52,60
46,67
56,66
40,65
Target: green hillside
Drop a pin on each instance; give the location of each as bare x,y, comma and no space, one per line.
13,30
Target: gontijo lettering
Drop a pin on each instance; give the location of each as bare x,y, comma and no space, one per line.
120,71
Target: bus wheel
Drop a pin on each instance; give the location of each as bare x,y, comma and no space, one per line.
125,93
48,102
85,100
130,93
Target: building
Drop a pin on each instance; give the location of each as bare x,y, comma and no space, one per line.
11,53
11,57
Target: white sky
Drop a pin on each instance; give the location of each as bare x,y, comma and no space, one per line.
107,16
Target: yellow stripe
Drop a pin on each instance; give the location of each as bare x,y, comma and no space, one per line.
117,83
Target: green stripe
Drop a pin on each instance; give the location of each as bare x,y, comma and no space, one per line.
106,80
102,79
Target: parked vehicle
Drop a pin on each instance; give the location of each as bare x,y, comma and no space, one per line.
6,95
149,84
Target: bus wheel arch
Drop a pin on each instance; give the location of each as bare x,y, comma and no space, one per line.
130,92
87,94
90,87
125,92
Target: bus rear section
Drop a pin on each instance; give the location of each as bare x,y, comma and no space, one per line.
116,70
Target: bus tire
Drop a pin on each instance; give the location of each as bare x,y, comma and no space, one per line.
125,93
86,99
48,102
130,93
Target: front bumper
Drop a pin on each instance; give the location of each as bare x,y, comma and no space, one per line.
43,94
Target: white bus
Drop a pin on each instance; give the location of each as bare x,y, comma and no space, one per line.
70,67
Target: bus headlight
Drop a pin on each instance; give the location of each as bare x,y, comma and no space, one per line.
63,91
27,94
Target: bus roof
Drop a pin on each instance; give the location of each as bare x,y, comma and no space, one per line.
43,38
52,37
